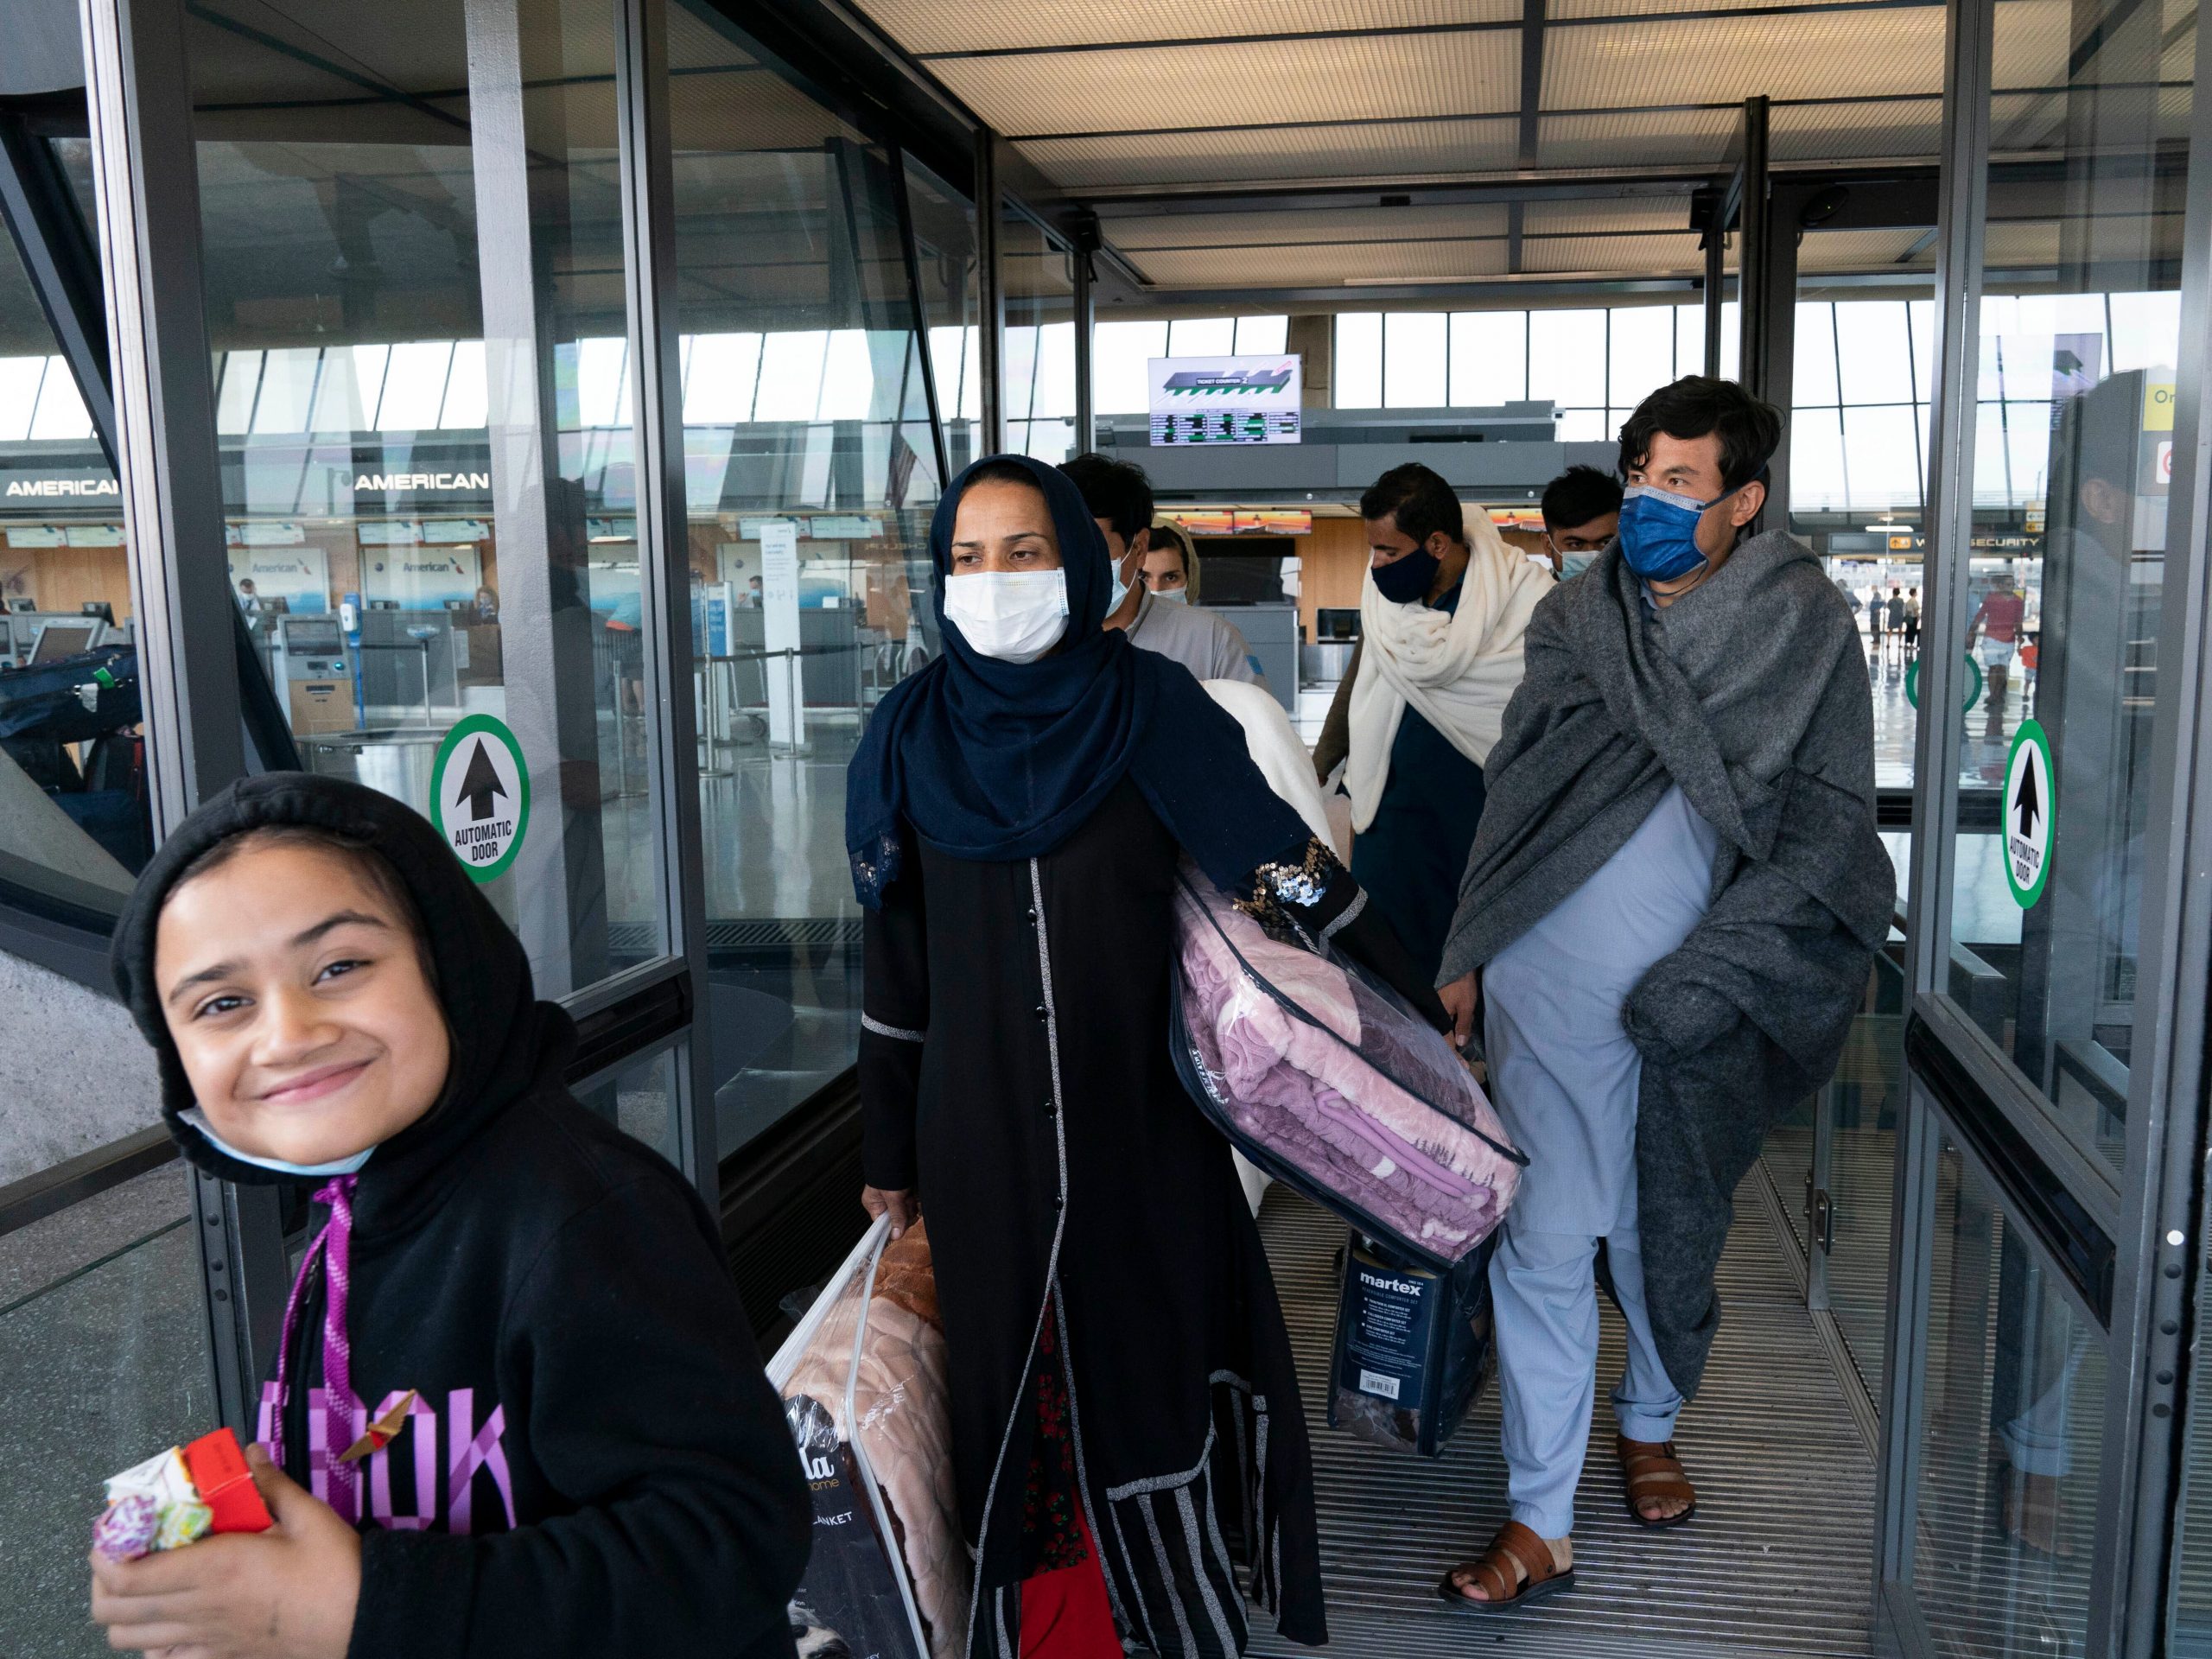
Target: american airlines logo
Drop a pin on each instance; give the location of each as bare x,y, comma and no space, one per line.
388,481
63,486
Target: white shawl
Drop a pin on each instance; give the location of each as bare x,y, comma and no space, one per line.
1459,669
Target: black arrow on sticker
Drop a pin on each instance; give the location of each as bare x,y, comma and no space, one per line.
2028,801
479,785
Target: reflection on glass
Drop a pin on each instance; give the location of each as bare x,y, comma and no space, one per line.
1862,1103
74,826
2015,1404
104,1361
812,472
1038,370
424,426
2072,450
944,254
639,1099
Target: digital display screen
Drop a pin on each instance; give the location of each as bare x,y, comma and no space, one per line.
59,640
1225,399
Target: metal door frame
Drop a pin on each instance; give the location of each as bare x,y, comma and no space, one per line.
2149,1213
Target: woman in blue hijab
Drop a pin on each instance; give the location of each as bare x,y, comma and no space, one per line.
1122,1400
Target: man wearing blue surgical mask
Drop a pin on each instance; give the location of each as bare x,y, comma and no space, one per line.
1582,511
1667,921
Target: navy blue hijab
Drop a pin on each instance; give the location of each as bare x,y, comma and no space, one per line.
989,759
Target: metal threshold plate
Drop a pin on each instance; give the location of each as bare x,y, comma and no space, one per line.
1778,1562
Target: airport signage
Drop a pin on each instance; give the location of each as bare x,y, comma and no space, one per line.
1215,400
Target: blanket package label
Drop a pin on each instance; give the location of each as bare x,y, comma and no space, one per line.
1412,1348
848,1604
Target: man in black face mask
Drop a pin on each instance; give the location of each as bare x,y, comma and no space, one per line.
1441,615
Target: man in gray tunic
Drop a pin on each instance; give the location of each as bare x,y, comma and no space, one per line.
1666,923
1119,496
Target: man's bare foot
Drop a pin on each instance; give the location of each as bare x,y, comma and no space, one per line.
1517,1566
1658,1491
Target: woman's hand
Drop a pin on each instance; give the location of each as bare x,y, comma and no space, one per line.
900,1206
286,1594
1461,999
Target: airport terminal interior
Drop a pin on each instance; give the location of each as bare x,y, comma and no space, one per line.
589,370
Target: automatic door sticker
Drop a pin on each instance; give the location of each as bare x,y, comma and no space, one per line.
2027,814
1973,683
479,795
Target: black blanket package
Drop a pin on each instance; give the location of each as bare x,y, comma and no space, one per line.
848,1605
1412,1346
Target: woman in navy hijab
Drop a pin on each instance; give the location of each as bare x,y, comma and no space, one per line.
1122,1400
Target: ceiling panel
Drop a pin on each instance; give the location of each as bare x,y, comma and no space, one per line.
2021,242
1471,258
1605,218
1727,59
1369,76
1813,132
1825,251
1272,228
2029,46
1675,137
924,26
1627,255
1386,150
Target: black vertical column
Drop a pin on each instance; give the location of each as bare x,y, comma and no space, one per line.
1767,291
990,292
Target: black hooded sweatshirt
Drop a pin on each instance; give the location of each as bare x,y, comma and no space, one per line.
517,1260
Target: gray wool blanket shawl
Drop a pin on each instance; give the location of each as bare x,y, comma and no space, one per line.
1750,692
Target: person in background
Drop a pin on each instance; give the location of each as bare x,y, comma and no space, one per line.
1581,508
1118,1367
1912,623
1997,625
1896,619
1677,857
487,609
750,598
1170,564
1441,614
1119,496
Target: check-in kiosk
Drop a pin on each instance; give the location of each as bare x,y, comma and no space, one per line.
315,671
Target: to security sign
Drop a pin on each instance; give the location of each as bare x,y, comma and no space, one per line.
2027,814
479,795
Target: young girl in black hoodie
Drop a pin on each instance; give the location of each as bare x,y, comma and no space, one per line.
516,1407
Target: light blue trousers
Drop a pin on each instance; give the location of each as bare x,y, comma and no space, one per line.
1544,1294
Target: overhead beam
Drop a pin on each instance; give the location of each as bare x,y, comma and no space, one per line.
1532,79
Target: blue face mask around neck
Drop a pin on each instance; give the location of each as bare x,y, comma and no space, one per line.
198,1119
1658,532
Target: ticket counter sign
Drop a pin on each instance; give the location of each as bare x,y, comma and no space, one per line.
2027,814
479,796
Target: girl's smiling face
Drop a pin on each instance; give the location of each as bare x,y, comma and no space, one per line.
296,995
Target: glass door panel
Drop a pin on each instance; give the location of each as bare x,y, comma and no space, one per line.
2014,1417
812,472
416,307
2080,328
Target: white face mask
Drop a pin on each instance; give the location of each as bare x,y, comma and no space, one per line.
1172,595
1015,616
198,1119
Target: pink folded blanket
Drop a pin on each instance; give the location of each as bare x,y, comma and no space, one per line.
1317,1074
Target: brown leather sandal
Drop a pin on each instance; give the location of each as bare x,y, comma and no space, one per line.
1649,1469
1517,1569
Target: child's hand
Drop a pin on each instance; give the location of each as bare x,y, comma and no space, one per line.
285,1594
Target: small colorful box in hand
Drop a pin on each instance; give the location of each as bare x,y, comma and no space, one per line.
179,1497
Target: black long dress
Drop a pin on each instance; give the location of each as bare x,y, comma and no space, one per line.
1014,1068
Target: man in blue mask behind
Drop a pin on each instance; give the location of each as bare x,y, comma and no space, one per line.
1667,922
